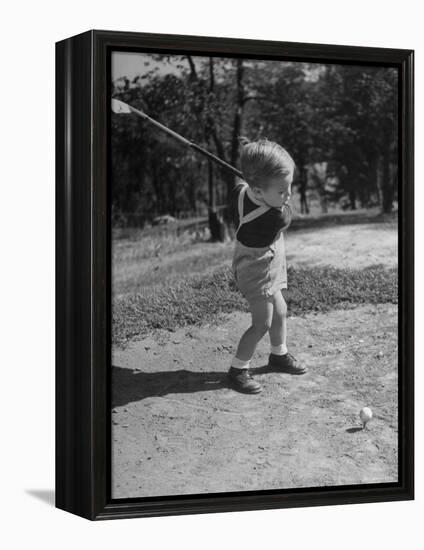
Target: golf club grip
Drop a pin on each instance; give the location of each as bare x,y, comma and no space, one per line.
216,159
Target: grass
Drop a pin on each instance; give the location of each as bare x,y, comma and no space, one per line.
203,299
132,275
140,245
164,255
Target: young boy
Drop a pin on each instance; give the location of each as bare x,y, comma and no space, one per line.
259,262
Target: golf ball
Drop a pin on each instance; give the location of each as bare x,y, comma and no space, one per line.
365,414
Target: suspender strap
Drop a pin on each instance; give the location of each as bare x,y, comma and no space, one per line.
255,213
251,215
240,203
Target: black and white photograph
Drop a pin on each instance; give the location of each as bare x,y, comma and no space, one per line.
211,237
254,274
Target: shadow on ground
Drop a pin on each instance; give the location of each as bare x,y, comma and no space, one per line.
129,386
45,495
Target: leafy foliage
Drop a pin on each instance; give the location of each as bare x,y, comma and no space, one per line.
340,117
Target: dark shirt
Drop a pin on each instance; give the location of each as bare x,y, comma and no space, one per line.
262,230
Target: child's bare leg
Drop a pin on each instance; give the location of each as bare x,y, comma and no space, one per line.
279,356
278,329
261,322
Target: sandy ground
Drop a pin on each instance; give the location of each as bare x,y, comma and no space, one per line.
178,429
348,246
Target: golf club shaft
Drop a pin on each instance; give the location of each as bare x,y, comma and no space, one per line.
216,159
185,141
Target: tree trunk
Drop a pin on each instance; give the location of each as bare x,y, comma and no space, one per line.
217,226
238,113
216,223
320,186
378,183
323,201
192,194
158,190
229,178
387,187
302,186
211,186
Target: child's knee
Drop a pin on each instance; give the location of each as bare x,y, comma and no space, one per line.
261,327
280,305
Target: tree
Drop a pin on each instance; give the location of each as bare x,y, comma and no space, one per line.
341,115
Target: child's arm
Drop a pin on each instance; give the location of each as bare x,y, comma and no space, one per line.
233,202
285,216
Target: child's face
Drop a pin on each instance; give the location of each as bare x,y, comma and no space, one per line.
277,192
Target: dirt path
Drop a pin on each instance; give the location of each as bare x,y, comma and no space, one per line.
347,246
177,428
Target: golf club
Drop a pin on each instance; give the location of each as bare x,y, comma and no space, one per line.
121,107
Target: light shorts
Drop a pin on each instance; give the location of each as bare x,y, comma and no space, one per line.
259,272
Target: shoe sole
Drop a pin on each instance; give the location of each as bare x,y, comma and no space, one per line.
235,387
287,371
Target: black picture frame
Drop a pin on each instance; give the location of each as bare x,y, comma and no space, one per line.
83,416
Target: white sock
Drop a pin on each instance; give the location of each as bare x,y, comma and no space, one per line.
239,364
279,350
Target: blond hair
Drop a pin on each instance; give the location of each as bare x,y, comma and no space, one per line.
263,159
